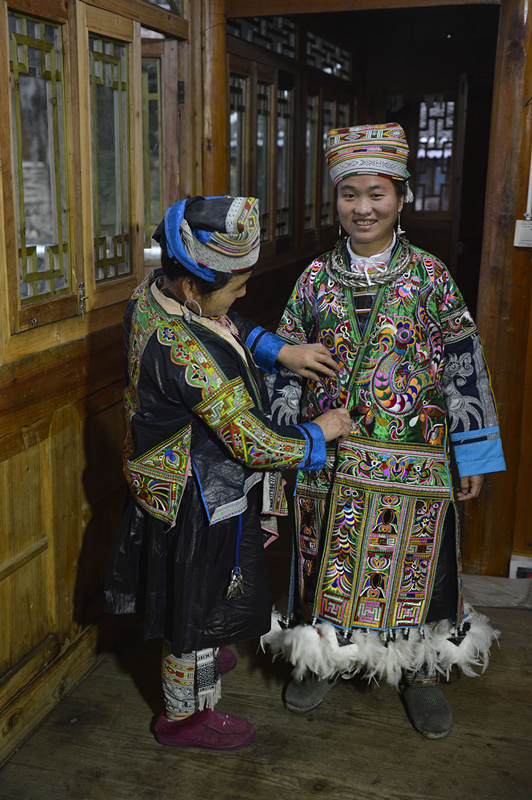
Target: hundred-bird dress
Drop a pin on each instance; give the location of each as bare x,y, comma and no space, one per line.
377,548
199,441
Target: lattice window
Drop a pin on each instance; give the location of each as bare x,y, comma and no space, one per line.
434,154
110,157
327,193
153,147
328,57
285,143
311,139
37,96
175,6
237,132
273,33
264,121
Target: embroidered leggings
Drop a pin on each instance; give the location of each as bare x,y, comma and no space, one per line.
191,682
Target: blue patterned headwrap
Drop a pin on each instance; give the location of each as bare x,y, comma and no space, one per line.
212,233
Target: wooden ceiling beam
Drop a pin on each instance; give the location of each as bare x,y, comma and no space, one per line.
264,8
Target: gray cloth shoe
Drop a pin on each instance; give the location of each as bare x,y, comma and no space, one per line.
427,709
302,697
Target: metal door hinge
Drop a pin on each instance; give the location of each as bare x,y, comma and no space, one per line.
82,300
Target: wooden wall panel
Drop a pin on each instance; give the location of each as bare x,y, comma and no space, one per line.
61,497
523,518
66,515
104,491
25,594
505,295
24,554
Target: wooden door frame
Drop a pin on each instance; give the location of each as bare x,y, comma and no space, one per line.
498,522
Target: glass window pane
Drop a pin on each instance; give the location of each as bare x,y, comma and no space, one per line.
153,149
285,141
264,105
237,128
37,97
110,157
311,140
434,154
329,116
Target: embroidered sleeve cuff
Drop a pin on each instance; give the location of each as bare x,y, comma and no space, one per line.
264,347
477,455
315,456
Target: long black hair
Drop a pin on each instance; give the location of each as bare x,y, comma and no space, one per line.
174,269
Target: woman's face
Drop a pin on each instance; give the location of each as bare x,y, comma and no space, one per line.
368,207
218,303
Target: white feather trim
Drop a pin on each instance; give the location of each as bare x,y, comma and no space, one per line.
315,648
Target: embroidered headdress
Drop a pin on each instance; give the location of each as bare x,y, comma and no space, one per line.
368,150
212,233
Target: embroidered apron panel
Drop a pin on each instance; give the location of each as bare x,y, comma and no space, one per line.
385,521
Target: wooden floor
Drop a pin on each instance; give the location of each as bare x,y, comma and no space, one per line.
359,745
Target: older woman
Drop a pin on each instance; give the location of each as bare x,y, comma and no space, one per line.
377,571
190,551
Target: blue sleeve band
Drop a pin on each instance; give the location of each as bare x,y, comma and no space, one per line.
253,336
316,454
479,458
478,434
264,347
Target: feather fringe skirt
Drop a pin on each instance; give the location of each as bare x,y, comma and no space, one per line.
375,655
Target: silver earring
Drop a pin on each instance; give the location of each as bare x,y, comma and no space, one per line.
187,313
400,231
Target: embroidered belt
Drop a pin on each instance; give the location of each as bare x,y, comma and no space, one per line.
411,469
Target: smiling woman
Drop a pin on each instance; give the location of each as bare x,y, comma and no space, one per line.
376,580
368,207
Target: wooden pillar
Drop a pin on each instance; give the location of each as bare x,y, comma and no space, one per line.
504,307
215,88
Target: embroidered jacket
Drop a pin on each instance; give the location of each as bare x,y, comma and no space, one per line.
196,401
412,375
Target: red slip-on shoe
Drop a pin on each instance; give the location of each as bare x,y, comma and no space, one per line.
228,660
208,729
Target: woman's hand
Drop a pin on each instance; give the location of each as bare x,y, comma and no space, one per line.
335,424
307,359
469,487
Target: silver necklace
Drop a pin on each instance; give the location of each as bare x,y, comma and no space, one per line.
334,266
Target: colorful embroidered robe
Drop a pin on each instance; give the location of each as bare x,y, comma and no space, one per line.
186,380
199,439
413,376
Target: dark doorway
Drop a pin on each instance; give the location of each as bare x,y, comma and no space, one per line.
431,70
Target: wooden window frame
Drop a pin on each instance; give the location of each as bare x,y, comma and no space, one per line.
33,315
167,51
103,23
268,75
256,73
45,324
245,58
